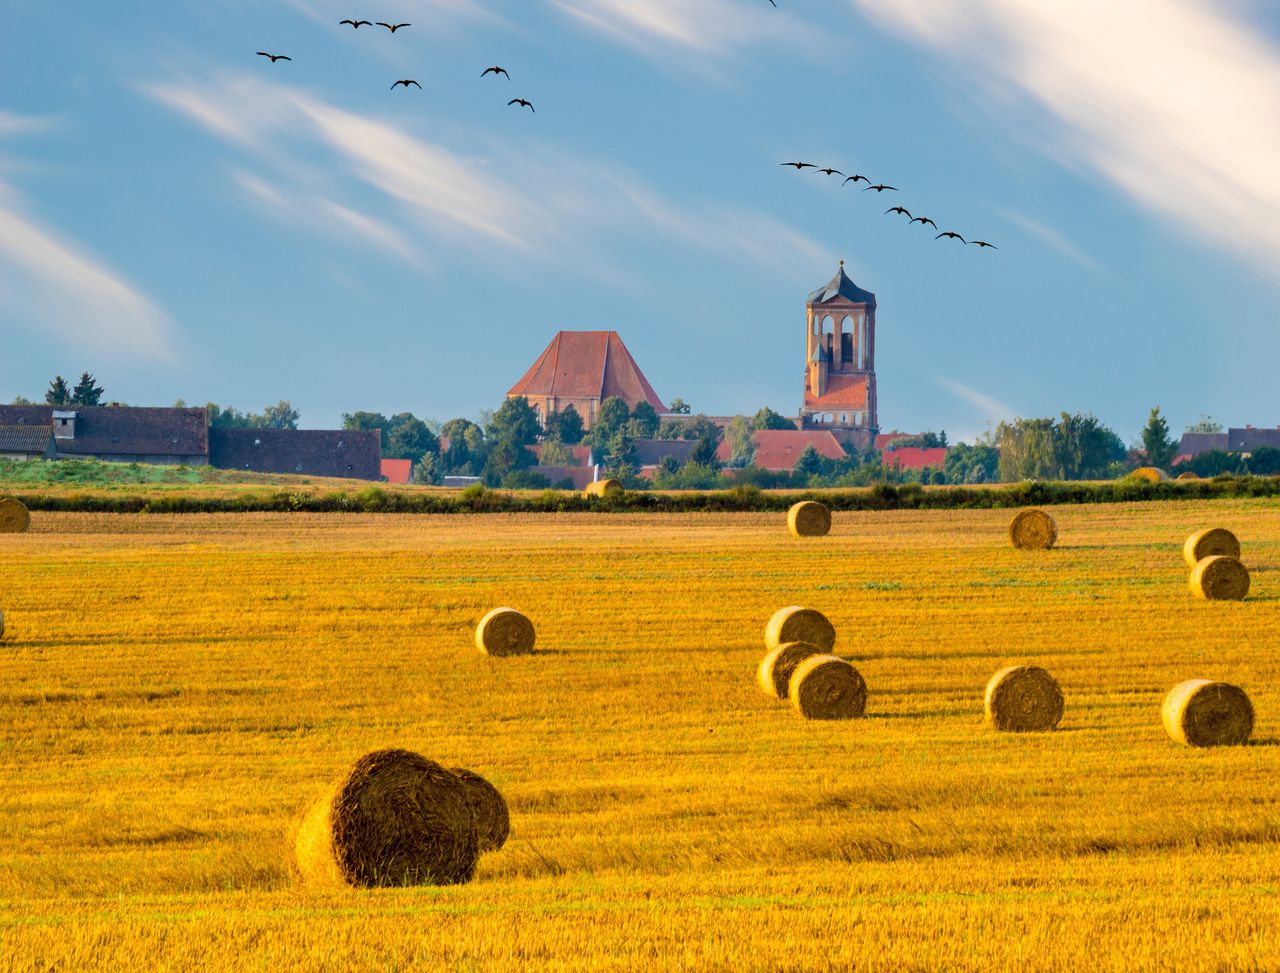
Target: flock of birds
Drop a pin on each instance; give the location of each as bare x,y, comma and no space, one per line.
900,210
357,23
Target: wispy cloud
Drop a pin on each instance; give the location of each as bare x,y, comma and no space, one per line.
1173,101
706,26
987,407
1053,239
546,205
54,286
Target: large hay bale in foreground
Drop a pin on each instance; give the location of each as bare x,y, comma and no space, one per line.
776,668
796,624
1033,530
1151,474
1201,713
395,819
825,687
604,488
808,518
1220,578
14,516
488,808
505,631
1023,699
1208,542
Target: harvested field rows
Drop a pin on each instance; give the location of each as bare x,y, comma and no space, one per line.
176,691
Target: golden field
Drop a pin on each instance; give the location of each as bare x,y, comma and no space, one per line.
174,692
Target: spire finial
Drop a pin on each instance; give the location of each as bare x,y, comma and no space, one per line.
842,261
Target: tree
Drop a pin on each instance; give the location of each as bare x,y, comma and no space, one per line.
22,400
282,415
740,436
425,471
766,418
515,422
971,464
408,437
680,407
465,455
644,418
809,464
704,453
59,393
564,425
1213,462
933,440
368,420
555,453
87,391
1160,449
1205,424
695,427
1265,461
621,461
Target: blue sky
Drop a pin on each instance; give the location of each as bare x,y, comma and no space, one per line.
185,219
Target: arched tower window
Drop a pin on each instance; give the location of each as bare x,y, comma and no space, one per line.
848,335
828,338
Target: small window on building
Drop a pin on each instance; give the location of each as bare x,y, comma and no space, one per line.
257,442
349,466
299,467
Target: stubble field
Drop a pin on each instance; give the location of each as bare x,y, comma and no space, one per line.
174,691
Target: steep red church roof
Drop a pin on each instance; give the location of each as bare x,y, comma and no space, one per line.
588,364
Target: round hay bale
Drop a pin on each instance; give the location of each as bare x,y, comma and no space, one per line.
488,808
1152,474
395,819
14,516
1187,475
1220,578
824,687
505,631
1208,542
777,666
808,518
796,624
1023,699
1033,530
604,488
1201,713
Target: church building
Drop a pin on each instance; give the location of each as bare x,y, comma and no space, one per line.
582,369
840,356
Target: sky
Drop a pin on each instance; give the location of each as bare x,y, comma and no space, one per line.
187,220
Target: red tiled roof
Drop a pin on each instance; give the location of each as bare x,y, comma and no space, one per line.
397,470
588,364
779,449
915,458
885,438
581,454
843,392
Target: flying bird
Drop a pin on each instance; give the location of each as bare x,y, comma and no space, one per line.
771,1
854,180
495,71
799,165
951,236
406,82
391,27
898,209
355,23
924,219
523,104
832,172
275,57
880,188
984,243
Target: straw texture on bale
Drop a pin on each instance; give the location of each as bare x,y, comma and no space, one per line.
14,516
1151,474
1208,542
796,624
825,687
604,488
1023,699
504,631
395,819
1,625
809,518
1201,713
1187,475
1220,578
777,666
488,809
1033,530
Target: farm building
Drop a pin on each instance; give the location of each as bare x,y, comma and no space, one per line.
353,453
780,449
27,442
119,433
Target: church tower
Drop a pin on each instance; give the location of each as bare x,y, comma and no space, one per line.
840,362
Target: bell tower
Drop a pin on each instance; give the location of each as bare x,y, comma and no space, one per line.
840,362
